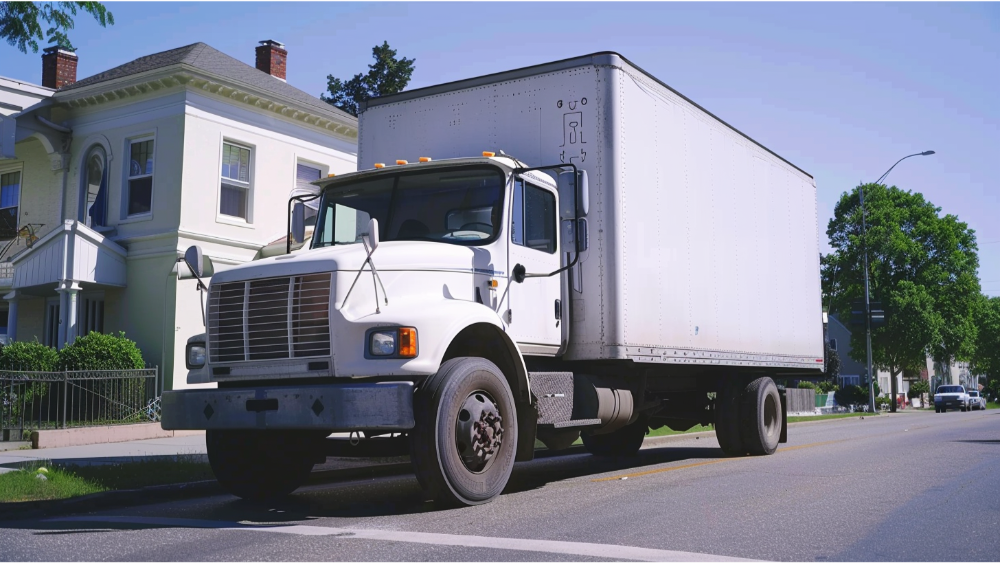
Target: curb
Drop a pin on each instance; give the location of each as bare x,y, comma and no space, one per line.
178,491
156,493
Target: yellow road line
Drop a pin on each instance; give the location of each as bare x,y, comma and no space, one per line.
701,463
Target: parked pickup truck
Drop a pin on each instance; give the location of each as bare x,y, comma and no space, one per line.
976,401
951,397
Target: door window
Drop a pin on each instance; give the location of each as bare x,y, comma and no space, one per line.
533,219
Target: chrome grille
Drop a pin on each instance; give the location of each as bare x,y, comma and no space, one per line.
270,319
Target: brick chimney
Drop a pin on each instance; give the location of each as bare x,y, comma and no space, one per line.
271,57
58,67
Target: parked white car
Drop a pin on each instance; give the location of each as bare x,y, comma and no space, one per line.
951,397
976,400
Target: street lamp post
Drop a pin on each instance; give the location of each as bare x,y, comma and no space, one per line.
868,309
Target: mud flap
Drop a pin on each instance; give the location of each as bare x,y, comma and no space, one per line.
527,423
784,417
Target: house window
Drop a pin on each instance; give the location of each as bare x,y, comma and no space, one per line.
10,198
140,177
51,336
235,194
94,191
305,175
833,344
533,223
91,314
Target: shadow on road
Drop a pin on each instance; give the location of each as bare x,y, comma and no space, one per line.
374,497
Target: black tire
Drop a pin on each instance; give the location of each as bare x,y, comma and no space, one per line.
761,414
260,465
937,410
444,474
624,442
727,418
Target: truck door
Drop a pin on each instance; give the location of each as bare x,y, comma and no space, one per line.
534,314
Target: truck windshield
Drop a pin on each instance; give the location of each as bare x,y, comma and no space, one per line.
455,206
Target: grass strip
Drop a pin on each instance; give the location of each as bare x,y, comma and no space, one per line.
23,485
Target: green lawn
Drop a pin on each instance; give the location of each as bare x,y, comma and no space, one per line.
792,419
993,405
66,482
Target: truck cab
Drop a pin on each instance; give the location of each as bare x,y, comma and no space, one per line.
410,266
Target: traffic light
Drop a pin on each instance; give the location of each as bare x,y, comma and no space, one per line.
858,312
877,314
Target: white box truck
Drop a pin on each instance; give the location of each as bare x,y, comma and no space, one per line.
571,248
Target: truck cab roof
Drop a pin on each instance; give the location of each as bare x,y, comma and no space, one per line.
506,162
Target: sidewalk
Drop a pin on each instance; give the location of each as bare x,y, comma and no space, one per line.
190,446
118,452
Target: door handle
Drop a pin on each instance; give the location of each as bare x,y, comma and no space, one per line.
558,309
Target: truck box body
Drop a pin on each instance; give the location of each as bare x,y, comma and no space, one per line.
702,243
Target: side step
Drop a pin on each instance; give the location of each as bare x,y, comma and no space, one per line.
554,392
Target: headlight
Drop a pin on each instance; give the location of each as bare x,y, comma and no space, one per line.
195,356
383,343
400,342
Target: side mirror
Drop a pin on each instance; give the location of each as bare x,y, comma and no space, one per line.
582,194
299,222
564,183
193,259
373,233
573,192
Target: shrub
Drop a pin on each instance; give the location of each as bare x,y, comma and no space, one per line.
827,387
29,356
97,351
807,385
879,401
918,388
851,395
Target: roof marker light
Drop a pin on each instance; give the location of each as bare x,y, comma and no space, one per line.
425,159
379,165
489,154
401,162
330,175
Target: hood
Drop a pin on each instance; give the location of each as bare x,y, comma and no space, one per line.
390,256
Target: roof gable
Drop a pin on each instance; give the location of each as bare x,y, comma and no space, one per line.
207,59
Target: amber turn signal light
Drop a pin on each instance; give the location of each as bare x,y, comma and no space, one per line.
407,342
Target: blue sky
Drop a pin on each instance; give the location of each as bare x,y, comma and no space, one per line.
842,90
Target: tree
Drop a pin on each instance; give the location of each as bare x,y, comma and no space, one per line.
832,362
21,22
986,357
388,75
922,268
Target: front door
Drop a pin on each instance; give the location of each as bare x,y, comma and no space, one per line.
533,318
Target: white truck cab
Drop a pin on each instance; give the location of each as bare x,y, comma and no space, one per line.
640,264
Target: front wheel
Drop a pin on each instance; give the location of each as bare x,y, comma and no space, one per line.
260,465
463,444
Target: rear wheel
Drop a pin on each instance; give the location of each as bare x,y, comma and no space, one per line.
464,441
727,418
624,442
261,464
761,417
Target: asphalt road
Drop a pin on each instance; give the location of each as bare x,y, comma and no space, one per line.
912,486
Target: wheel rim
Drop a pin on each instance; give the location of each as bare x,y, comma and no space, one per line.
478,431
772,423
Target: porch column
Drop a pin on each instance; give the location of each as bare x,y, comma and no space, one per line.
13,297
68,291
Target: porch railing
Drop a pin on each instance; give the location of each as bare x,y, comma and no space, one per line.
64,399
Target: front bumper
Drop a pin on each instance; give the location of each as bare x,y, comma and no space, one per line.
341,407
950,403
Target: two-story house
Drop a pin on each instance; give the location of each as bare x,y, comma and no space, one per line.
105,181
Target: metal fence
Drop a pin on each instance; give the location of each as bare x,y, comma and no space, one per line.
65,399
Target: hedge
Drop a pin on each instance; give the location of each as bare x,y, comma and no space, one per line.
96,351
29,356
